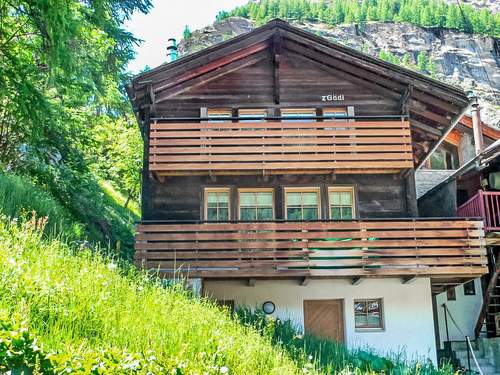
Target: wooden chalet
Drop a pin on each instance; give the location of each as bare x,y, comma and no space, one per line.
280,156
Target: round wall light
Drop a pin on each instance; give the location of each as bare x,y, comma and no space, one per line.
268,307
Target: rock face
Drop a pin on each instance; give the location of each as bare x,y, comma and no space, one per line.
455,54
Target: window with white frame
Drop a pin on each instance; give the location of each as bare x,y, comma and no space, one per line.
256,204
217,204
302,203
368,314
341,202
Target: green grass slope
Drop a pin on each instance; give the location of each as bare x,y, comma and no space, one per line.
87,309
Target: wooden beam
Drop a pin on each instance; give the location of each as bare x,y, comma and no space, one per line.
408,280
277,47
356,280
212,65
403,103
304,281
446,131
426,128
210,76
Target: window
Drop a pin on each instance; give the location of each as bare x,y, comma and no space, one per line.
368,314
256,204
451,295
336,112
470,288
445,157
341,200
298,112
259,113
302,203
219,115
217,204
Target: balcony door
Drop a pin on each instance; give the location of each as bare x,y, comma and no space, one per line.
324,318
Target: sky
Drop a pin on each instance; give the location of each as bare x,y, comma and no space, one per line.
167,19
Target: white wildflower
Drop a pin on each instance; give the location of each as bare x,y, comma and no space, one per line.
224,370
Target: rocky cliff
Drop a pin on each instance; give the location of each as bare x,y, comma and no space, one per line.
472,63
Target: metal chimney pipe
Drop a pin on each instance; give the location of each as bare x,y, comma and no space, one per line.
172,50
476,124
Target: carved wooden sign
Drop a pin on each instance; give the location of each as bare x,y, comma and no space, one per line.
332,98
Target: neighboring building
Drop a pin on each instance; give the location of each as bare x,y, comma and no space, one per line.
472,190
279,172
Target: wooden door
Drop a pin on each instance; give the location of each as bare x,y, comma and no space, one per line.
324,318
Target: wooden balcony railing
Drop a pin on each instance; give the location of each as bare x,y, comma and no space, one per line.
444,248
485,204
279,147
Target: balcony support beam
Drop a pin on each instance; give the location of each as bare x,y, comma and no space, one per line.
356,280
408,279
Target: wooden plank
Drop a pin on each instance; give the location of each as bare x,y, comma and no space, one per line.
223,133
279,157
339,149
280,141
169,126
342,262
311,225
274,235
277,165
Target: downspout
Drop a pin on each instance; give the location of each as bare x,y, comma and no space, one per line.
476,125
445,134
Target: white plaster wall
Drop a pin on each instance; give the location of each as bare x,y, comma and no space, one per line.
465,311
407,308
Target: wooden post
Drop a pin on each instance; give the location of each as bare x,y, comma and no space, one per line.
476,127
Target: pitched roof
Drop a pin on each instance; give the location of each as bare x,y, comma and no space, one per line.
434,107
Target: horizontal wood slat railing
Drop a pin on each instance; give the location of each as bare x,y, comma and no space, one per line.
322,249
279,147
485,204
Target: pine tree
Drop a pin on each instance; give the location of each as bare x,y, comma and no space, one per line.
431,67
422,61
186,34
406,60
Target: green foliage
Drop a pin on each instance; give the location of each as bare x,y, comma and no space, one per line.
187,34
427,13
86,310
64,119
327,356
424,63
19,198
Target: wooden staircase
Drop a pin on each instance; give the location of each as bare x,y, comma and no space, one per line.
488,323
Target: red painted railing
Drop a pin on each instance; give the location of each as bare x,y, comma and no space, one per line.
485,204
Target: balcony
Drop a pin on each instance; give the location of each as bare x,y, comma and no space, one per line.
265,147
363,248
485,204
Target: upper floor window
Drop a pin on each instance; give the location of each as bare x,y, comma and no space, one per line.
341,201
302,203
295,114
335,112
217,204
255,114
256,204
219,114
445,157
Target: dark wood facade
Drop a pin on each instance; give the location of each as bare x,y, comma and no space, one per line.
389,112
